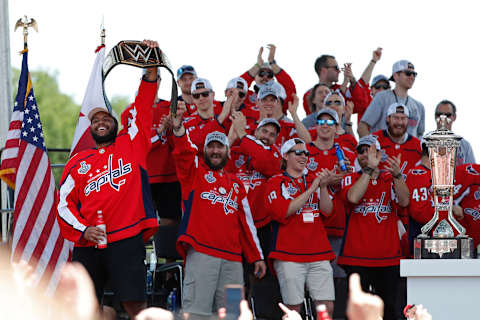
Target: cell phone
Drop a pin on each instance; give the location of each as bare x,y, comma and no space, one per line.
233,295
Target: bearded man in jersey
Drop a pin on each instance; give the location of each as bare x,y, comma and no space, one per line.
371,244
112,178
217,226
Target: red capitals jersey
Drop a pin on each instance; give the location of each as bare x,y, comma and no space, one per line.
217,220
345,140
371,234
287,132
410,150
301,237
254,163
363,97
192,108
198,128
467,178
112,179
327,159
160,168
419,182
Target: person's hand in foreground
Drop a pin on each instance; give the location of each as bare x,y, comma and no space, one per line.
361,305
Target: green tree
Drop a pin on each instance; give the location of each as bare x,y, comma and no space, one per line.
58,113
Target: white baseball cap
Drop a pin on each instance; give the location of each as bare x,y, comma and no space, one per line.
400,66
200,83
398,108
289,144
238,83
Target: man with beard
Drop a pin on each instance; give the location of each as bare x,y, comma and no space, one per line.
403,74
396,141
217,226
104,181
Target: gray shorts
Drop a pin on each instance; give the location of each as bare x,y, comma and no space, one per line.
336,244
205,280
292,277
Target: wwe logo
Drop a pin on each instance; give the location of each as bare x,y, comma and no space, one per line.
138,52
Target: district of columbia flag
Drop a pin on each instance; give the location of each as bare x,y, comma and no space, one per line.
36,237
93,98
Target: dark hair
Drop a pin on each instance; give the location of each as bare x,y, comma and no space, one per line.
321,62
445,101
311,96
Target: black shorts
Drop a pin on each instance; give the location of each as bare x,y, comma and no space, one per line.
122,262
167,198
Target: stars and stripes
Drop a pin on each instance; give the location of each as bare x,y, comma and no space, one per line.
26,168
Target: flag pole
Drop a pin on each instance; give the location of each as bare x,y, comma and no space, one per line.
26,23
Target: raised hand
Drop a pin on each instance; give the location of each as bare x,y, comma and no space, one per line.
374,156
259,57
377,54
181,109
394,165
293,105
361,305
271,54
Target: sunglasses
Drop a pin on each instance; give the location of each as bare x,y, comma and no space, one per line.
203,94
268,73
241,94
382,86
334,67
336,102
182,70
328,122
409,73
362,149
447,114
300,152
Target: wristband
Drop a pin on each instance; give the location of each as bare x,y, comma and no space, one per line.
368,171
398,175
373,61
348,124
273,62
257,65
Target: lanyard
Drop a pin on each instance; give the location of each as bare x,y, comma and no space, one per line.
396,99
295,183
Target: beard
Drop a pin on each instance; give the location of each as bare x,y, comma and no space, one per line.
110,137
215,167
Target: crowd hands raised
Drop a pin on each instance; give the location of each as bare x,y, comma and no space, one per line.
251,185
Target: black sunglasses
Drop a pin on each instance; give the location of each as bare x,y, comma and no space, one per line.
361,149
334,67
447,114
264,73
241,94
204,94
382,86
409,73
300,152
337,103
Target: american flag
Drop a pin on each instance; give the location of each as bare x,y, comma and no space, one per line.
26,168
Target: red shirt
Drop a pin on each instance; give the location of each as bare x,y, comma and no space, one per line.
216,220
301,237
198,128
410,150
112,179
371,234
160,168
253,163
327,159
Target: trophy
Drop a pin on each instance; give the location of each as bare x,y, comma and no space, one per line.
442,147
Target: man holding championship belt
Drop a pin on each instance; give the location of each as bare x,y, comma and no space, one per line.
111,181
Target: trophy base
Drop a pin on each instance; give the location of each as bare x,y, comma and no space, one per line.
443,248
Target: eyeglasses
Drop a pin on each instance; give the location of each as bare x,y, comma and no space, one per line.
336,102
334,67
204,94
382,86
409,73
268,73
300,152
328,122
447,114
363,148
241,94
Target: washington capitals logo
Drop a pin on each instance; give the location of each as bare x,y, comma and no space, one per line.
109,176
291,189
229,204
375,207
471,170
209,177
472,212
84,167
312,165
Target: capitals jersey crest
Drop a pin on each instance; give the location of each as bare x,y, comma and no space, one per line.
109,176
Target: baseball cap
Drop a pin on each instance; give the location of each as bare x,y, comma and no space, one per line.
216,136
332,93
369,140
282,94
289,144
238,83
400,66
397,108
200,83
95,110
185,69
332,113
378,78
267,90
269,121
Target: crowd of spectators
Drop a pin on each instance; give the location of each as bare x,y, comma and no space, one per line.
298,203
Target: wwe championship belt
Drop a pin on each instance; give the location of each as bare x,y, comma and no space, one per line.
138,54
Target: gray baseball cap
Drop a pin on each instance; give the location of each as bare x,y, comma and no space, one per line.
332,113
216,136
368,141
269,121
